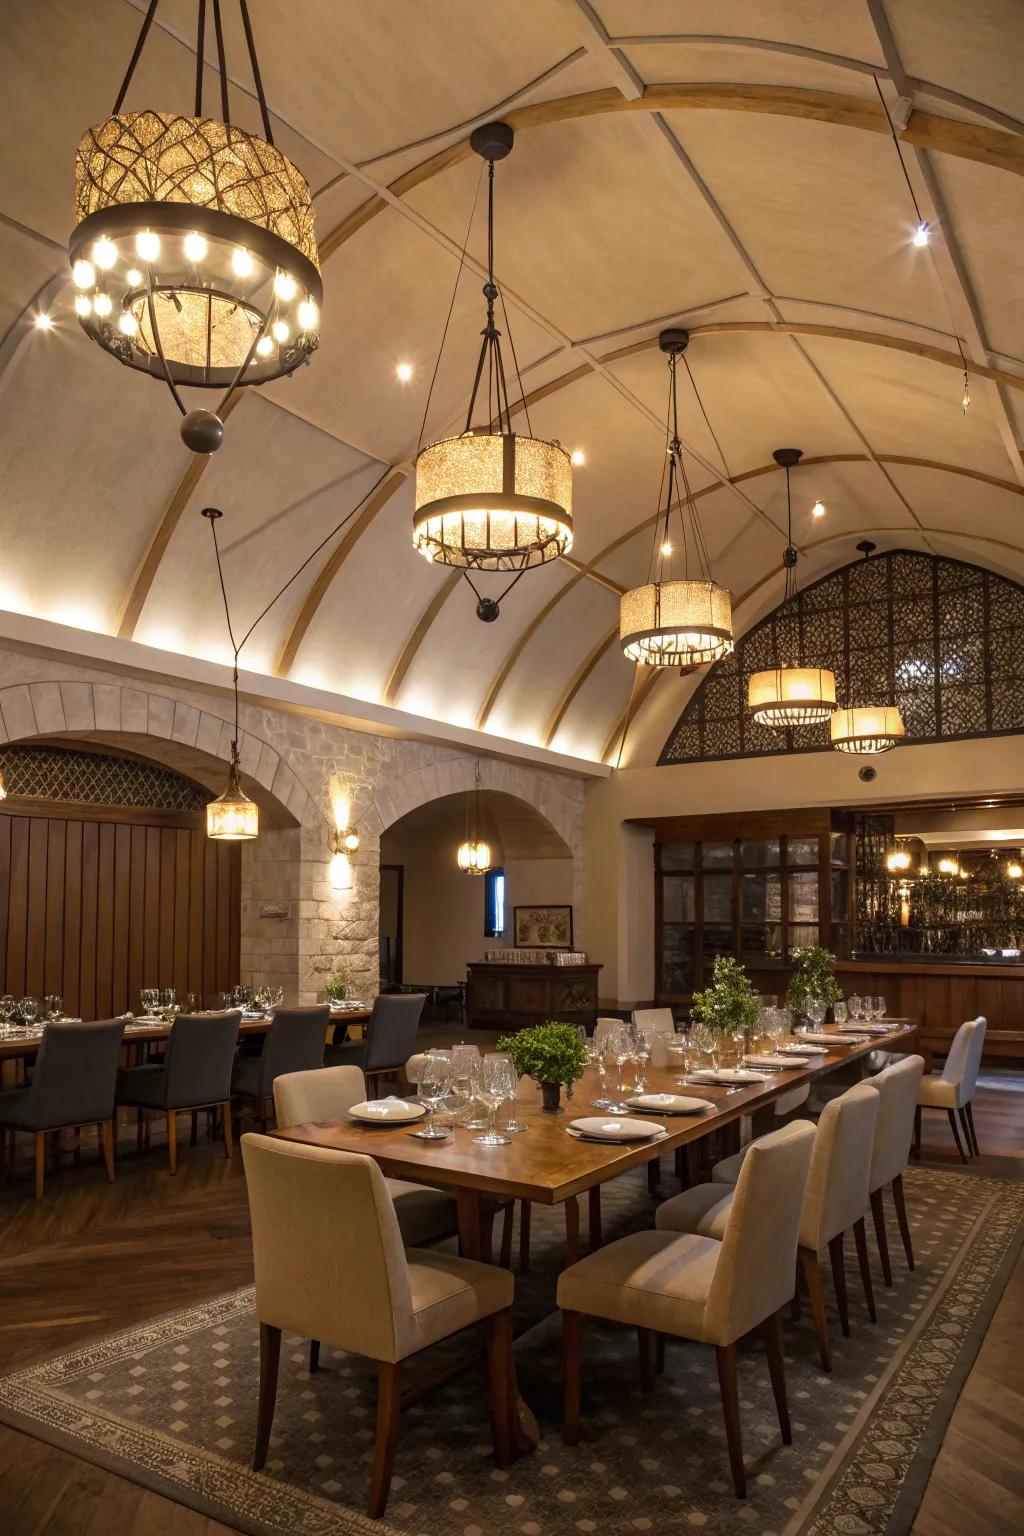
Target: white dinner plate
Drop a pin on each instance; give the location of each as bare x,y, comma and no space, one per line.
609,1128
388,1111
768,1059
669,1104
727,1075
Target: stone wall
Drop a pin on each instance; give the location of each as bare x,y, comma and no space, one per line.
296,927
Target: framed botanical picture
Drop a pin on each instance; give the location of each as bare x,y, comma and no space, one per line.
543,927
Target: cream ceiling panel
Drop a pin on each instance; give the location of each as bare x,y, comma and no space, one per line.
841,26
601,699
987,216
977,51
26,264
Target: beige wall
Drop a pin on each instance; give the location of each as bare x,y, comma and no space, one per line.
619,877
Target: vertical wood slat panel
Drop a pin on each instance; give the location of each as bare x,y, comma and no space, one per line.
165,936
196,918
105,921
35,946
182,849
210,987
151,930
17,912
223,918
137,917
87,972
53,932
120,997
5,887
72,991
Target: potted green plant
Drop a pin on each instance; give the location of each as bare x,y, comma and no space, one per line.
550,1053
730,1006
336,986
813,975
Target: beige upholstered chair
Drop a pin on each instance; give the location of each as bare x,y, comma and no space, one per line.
659,1021
330,1263
694,1287
835,1200
952,1089
897,1089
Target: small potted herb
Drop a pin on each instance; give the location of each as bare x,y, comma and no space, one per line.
813,976
336,987
552,1054
730,1006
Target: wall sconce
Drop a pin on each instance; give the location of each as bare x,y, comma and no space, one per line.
344,843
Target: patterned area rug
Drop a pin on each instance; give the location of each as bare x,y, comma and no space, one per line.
171,1405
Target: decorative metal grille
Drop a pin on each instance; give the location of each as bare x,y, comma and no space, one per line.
941,639
92,778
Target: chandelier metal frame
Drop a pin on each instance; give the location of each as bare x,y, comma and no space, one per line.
866,730
474,854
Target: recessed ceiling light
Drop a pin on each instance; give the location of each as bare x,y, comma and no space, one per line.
578,457
42,321
403,372
921,234
818,510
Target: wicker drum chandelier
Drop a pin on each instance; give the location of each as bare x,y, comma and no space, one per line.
685,621
866,729
491,499
790,694
194,252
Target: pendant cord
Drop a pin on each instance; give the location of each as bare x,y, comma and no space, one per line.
139,45
250,42
451,309
200,50
225,109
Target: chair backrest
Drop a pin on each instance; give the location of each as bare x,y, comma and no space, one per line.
391,1032
964,1059
302,1098
754,1274
894,1129
76,1074
659,1021
200,1055
327,1249
603,1026
294,1042
837,1184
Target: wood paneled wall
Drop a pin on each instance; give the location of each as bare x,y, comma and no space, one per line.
94,910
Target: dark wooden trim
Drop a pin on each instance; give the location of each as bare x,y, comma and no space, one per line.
129,815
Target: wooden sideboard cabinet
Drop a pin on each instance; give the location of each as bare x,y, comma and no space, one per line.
516,996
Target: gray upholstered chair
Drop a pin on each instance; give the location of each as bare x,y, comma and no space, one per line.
952,1089
897,1088
72,1085
330,1264
294,1043
835,1202
389,1040
194,1074
690,1287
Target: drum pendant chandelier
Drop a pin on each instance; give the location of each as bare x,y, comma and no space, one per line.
791,695
194,253
491,499
676,622
866,729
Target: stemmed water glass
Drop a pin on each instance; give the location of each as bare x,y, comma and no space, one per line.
434,1083
815,1009
468,1081
707,1042
497,1085
29,1009
150,1000
512,1123
620,1048
168,1000
53,1006
878,1012
642,1058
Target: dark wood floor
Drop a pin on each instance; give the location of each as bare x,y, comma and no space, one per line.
94,1257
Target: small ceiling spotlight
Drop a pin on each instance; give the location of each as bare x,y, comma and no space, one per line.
403,372
818,510
577,457
921,233
42,321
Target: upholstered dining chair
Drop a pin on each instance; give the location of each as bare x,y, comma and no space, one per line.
294,1042
689,1287
389,1039
897,1089
835,1202
350,1280
952,1089
72,1085
194,1074
657,1021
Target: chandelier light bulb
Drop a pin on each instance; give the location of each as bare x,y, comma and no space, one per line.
83,304
147,245
279,330
666,549
241,262
83,274
133,276
128,324
195,246
264,346
104,253
284,286
309,315
43,322
1014,870
403,372
102,304
818,510
921,234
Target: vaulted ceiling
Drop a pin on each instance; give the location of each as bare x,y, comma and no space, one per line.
722,164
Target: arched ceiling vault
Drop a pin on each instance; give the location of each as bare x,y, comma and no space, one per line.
728,178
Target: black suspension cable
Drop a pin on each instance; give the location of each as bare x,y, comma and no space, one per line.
707,420
139,44
200,49
451,307
268,132
225,110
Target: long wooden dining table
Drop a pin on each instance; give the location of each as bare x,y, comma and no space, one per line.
546,1165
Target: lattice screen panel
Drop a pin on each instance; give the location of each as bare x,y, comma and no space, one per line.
93,778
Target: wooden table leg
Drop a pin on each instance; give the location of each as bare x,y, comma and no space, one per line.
594,1215
572,1230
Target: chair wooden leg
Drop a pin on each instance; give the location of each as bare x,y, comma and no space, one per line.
812,1278
969,1112
270,1357
172,1140
771,1332
795,1310
966,1129
106,1130
486,1230
499,1368
225,1115
860,1237
525,1214
835,1253
726,1358
956,1134
40,1163
505,1252
645,1344
878,1217
916,1148
900,1202
653,1175
314,1356
571,1366
389,1404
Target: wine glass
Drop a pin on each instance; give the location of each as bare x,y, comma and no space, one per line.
494,1090
435,1080
190,1002
29,1009
774,1024
642,1059
815,1009
150,998
853,1006
707,1043
512,1123
880,1006
53,1006
620,1048
839,1012
168,1000
601,1056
